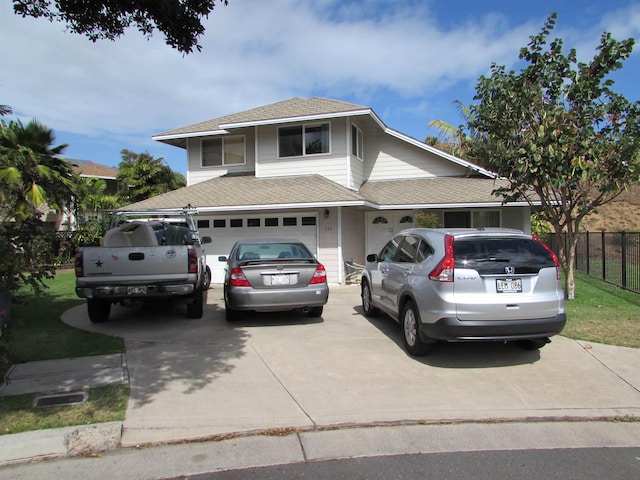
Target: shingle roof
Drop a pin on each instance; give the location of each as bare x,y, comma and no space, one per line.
90,169
292,108
248,192
433,191
238,191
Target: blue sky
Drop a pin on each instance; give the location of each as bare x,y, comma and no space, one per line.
408,59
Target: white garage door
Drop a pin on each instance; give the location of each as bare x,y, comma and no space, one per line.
225,230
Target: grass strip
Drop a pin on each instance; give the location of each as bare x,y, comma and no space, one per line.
104,404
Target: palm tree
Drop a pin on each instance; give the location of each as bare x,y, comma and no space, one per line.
142,176
32,174
451,139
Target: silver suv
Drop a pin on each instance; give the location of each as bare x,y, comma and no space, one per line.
466,285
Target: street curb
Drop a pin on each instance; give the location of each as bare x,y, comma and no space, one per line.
59,442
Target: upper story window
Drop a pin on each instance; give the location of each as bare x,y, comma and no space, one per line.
301,140
357,145
223,151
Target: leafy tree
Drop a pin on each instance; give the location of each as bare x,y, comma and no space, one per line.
142,176
5,110
559,133
90,202
179,20
32,174
26,255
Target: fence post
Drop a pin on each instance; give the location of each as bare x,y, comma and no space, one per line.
588,254
623,241
604,255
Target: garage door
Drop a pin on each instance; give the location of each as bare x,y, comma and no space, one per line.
228,229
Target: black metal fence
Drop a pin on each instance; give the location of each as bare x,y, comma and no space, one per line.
611,256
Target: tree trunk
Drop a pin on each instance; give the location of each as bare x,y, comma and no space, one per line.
570,282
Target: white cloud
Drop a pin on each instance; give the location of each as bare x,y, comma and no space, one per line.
254,53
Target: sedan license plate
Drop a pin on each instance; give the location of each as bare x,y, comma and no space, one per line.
509,285
280,279
137,290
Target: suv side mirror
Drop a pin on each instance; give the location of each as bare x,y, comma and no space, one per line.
372,257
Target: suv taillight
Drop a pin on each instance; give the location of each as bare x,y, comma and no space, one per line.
550,252
319,276
237,278
443,271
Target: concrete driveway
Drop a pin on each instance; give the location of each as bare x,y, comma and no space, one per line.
193,379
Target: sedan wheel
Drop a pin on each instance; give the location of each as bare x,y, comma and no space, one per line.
410,326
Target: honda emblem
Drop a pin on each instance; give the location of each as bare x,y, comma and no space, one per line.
510,270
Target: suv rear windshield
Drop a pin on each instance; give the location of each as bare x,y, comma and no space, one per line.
491,256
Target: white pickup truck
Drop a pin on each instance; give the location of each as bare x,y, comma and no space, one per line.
144,256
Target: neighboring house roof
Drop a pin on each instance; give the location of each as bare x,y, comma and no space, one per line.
232,193
235,193
295,109
87,168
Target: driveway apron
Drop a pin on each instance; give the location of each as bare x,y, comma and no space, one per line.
202,378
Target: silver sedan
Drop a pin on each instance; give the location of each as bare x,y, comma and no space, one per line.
273,274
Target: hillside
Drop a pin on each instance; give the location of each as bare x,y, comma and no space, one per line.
623,214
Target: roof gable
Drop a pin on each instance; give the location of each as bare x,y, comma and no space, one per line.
295,109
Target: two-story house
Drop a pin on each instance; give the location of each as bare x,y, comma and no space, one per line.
327,172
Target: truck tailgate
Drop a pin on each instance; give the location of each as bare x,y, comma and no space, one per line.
125,261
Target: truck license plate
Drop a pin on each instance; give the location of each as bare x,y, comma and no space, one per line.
137,290
509,285
280,279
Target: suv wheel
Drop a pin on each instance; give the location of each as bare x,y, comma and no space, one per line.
367,306
411,331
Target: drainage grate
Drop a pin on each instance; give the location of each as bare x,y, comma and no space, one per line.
63,399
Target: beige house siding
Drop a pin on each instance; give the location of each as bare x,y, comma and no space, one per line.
517,217
353,234
196,173
328,243
332,165
388,158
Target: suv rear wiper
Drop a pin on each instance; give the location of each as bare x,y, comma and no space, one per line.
491,259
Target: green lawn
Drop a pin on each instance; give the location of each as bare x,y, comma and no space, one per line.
37,333
603,313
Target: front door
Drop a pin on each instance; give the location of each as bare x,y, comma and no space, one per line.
383,226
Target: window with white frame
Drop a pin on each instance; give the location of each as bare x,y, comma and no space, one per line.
223,151
357,144
302,140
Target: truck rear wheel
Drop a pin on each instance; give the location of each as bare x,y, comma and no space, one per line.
195,308
99,310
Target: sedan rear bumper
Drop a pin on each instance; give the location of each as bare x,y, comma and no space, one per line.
244,298
454,330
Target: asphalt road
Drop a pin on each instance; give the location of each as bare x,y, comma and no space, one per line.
567,464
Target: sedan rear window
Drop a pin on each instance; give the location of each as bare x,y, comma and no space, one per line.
490,256
273,251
